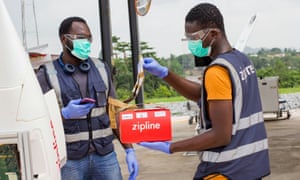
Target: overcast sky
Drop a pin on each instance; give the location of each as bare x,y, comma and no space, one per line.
277,23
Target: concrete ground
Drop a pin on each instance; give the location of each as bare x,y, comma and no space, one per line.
284,142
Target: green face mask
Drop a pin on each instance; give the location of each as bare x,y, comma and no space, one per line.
81,48
195,46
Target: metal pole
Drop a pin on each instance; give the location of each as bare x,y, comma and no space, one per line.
105,28
35,22
23,24
135,48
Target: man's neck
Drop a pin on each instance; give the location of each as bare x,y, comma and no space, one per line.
221,48
69,59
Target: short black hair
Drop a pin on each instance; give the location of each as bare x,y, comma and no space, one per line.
206,15
66,24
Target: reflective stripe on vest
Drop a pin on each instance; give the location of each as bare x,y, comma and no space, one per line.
100,66
248,122
238,100
51,71
84,136
239,152
95,112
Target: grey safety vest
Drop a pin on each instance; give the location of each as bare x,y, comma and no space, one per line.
94,128
246,157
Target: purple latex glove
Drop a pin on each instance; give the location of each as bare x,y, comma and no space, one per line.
159,146
132,164
76,110
153,67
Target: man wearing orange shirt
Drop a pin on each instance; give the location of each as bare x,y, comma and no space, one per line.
234,140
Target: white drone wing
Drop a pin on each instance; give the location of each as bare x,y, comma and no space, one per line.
242,40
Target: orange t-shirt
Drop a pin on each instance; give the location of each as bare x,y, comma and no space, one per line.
218,83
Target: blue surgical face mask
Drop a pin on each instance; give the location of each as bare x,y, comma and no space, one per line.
81,48
196,48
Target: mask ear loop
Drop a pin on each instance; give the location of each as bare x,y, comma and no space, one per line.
210,47
212,41
209,30
66,43
68,47
205,36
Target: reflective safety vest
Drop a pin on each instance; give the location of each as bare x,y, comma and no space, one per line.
246,157
93,128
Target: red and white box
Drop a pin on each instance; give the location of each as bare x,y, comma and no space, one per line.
139,125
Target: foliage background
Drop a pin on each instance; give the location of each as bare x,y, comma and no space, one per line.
268,62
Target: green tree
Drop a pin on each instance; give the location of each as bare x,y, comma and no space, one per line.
286,67
275,51
147,51
123,79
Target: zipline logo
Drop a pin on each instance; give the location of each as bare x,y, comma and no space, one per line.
147,125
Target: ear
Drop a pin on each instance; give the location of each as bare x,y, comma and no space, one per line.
215,33
63,39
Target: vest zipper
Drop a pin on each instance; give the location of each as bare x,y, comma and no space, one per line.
90,128
89,121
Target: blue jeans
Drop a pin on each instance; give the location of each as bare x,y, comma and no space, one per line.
92,167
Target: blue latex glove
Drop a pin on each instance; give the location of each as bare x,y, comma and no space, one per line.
75,110
159,146
153,67
132,164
